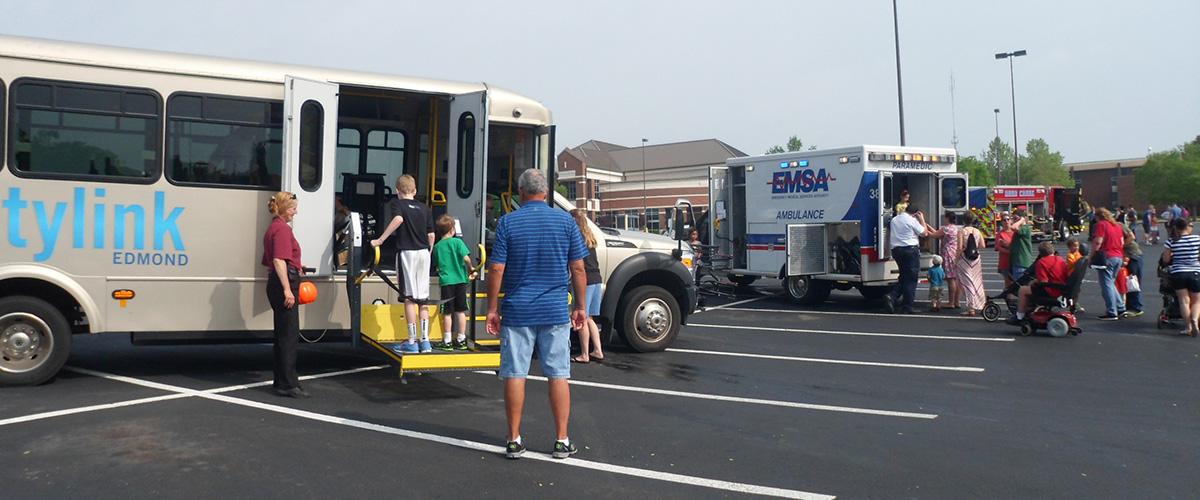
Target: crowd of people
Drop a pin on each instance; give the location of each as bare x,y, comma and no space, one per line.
955,277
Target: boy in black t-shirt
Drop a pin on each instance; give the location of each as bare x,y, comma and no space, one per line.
413,226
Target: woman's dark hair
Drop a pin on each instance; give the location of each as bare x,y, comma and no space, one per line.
968,219
1179,224
951,217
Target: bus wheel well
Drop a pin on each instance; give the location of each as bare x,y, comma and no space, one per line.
663,279
49,292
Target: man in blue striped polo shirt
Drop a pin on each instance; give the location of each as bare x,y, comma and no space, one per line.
538,250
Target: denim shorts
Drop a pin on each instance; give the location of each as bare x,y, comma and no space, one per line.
553,343
593,299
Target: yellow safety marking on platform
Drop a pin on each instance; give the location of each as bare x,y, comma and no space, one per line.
488,342
456,361
386,323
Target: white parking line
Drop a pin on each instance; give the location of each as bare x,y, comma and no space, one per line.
740,302
831,361
471,445
155,399
794,311
852,334
735,399
85,409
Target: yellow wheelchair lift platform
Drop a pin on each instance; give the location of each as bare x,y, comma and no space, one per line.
384,328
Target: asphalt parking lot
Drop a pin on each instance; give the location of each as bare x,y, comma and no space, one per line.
756,397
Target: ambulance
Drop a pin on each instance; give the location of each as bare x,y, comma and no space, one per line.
818,220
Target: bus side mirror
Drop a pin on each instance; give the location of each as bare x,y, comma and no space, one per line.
683,212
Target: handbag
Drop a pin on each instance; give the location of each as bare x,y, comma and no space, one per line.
1132,285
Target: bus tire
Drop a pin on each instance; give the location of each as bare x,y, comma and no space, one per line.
35,340
806,290
649,319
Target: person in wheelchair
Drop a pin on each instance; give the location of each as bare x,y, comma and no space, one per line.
1050,273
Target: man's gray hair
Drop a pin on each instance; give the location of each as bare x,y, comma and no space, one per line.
532,182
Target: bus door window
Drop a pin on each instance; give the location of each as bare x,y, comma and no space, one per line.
348,154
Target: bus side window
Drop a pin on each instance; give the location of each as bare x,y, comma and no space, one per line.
85,131
224,141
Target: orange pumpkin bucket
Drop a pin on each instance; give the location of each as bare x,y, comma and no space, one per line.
308,292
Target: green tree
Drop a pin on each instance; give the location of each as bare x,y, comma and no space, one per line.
1042,167
1171,176
999,158
978,172
793,144
561,190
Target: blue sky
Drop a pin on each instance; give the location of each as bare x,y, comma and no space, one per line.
1103,79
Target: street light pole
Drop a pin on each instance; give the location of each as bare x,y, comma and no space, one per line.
899,87
1013,89
996,112
645,216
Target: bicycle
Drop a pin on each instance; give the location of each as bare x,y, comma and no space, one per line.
708,281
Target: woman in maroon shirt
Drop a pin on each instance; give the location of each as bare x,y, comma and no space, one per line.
281,256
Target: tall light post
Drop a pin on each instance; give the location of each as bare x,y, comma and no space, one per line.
645,216
1013,89
996,113
899,87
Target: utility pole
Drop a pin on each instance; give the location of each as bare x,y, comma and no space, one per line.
899,87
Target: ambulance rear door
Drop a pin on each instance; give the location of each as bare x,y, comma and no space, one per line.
884,194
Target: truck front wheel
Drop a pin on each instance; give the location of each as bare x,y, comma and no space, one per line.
806,290
35,340
649,319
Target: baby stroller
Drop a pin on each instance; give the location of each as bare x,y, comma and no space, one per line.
991,311
1170,303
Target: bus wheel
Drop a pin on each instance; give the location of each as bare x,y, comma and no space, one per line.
649,319
806,290
35,340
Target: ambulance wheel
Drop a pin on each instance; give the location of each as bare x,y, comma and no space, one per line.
1058,327
742,280
806,290
873,292
1026,329
35,340
649,319
991,312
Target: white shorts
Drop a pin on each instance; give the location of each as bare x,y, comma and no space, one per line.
414,267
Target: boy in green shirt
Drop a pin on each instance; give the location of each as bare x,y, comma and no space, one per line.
453,261
1021,248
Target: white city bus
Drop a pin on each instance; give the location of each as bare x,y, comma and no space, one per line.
135,184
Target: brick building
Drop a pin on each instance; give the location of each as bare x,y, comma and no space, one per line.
615,182
1107,183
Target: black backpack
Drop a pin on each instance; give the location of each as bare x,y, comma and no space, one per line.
971,250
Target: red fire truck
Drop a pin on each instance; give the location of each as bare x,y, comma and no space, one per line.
1054,210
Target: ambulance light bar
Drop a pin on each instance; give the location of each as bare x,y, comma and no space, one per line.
913,157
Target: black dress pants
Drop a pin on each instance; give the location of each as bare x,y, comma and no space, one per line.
287,331
908,259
